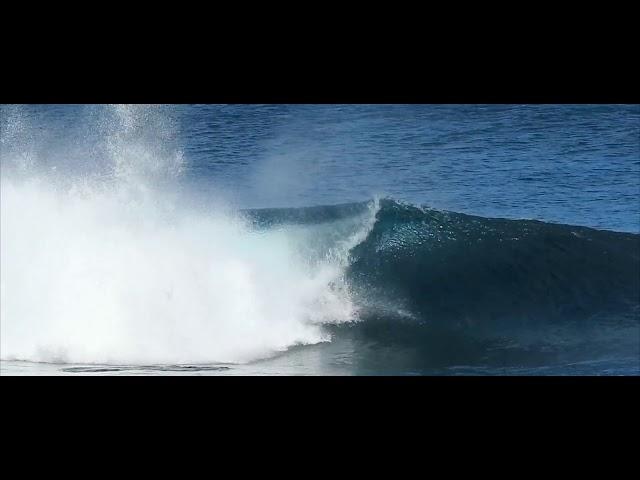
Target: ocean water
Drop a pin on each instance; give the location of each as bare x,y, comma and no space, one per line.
320,240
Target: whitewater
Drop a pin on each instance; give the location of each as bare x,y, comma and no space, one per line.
114,268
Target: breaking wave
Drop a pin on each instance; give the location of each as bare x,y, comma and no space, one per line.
113,265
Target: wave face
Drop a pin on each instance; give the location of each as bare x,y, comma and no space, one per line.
461,289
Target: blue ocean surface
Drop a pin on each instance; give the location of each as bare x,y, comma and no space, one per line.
320,239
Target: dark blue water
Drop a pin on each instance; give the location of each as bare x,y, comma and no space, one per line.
574,164
571,165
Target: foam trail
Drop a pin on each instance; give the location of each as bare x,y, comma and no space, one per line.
110,269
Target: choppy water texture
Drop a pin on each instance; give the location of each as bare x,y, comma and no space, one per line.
320,239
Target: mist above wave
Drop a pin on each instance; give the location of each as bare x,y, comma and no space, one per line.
103,261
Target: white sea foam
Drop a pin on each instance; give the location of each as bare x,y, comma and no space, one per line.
114,268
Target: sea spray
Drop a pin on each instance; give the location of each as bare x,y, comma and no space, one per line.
116,268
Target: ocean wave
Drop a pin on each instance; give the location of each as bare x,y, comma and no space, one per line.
447,288
96,280
104,261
